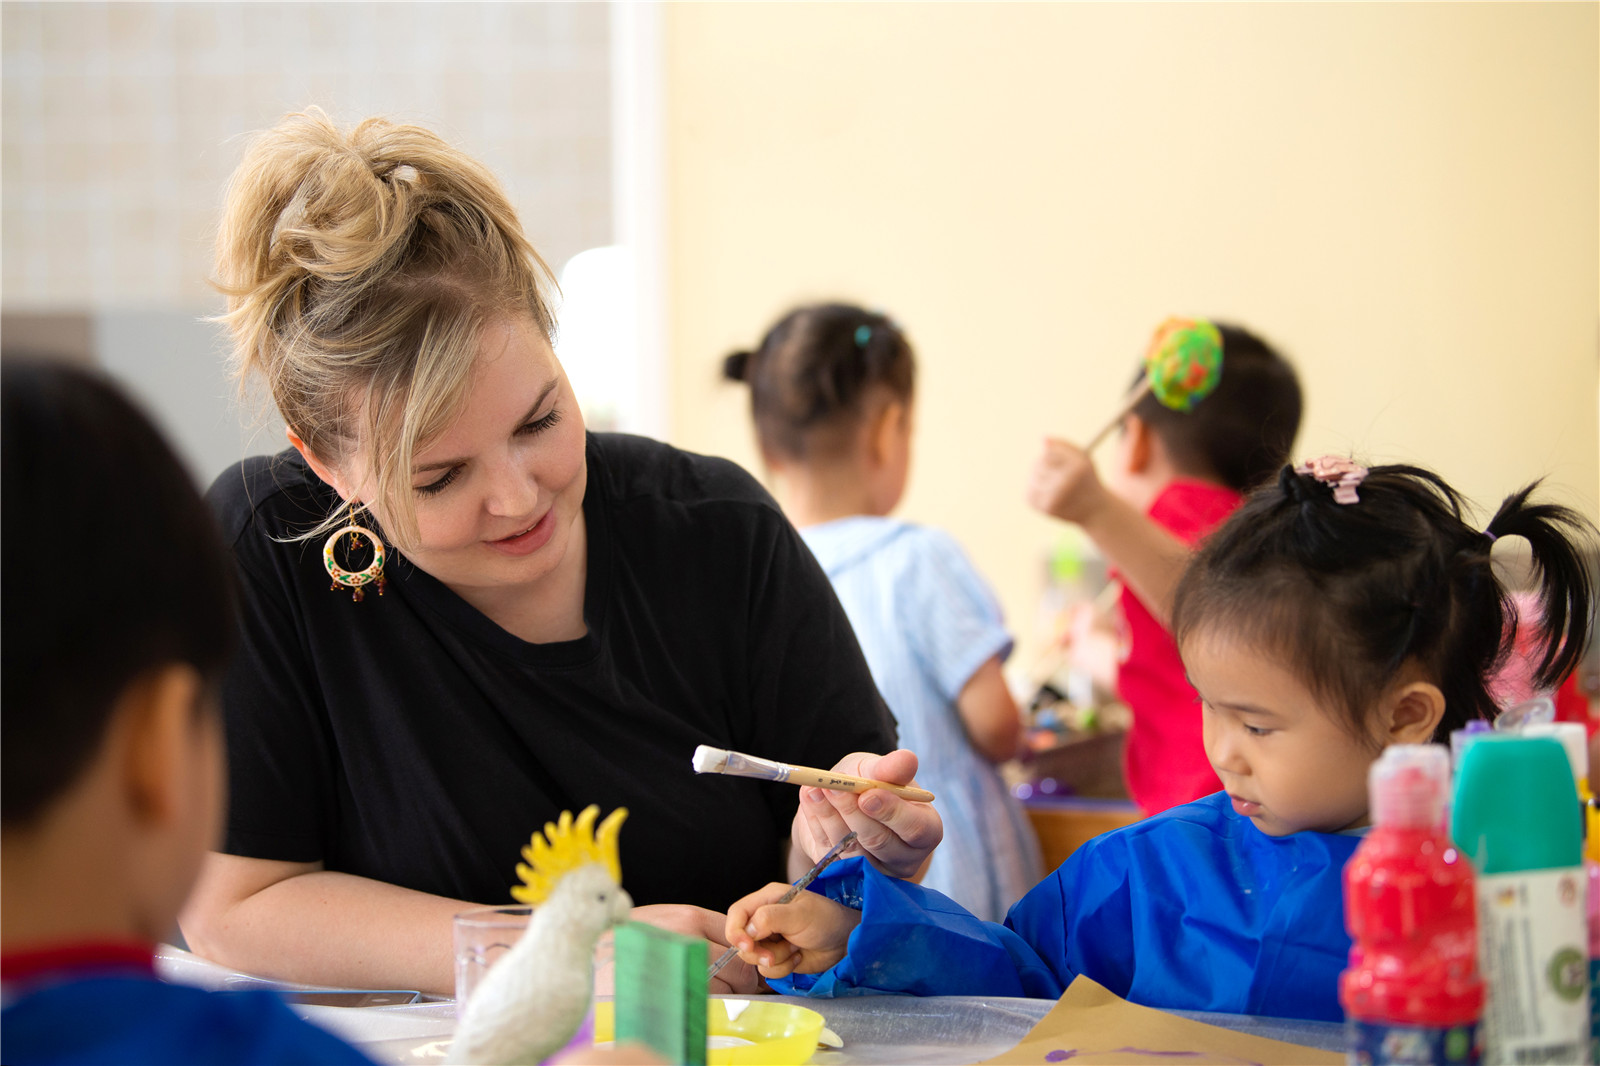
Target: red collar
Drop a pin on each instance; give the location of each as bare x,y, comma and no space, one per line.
74,959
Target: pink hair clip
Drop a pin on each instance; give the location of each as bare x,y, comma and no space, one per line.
1343,474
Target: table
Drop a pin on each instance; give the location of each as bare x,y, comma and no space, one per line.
891,1030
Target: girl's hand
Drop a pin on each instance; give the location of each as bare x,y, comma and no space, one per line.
1063,483
898,835
807,935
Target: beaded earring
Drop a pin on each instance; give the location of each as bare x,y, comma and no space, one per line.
348,579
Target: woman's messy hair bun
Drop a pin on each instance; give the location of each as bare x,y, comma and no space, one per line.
360,268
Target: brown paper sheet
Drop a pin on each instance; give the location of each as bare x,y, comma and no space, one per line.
1090,1026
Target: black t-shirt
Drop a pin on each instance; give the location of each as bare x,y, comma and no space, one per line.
410,739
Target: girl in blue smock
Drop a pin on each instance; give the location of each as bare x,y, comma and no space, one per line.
1341,610
831,394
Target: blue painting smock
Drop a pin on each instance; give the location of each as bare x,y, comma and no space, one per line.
1193,909
110,1008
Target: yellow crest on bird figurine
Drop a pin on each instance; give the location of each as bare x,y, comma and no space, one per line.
565,845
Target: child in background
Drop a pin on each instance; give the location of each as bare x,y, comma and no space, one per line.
1339,611
1175,475
118,619
831,391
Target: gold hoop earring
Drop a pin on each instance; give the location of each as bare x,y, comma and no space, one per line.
354,579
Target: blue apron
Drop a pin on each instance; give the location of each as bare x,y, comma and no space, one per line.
1193,909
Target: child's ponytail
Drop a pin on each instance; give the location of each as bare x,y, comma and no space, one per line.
1566,586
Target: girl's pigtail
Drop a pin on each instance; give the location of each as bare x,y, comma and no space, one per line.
736,366
1566,587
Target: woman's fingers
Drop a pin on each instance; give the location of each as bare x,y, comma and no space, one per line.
898,834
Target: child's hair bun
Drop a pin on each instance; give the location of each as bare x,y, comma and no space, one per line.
736,366
814,372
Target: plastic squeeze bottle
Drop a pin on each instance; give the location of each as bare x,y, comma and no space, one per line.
1574,738
1513,817
1412,992
1591,870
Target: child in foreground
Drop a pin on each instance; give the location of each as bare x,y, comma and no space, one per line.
118,620
831,392
1341,610
1173,477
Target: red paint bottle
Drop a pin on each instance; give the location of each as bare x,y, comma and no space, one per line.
1412,993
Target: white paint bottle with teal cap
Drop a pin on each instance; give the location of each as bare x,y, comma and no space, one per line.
1575,739
1514,817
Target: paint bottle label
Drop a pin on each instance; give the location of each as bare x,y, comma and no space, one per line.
1533,943
1378,1044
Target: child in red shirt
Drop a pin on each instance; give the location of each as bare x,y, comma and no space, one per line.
1174,476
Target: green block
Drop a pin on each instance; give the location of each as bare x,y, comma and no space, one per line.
660,993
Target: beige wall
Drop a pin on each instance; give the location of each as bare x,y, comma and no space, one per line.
119,124
1403,197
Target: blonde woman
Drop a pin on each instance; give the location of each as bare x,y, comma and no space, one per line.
557,618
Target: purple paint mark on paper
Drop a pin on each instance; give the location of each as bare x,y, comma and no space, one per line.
1059,1056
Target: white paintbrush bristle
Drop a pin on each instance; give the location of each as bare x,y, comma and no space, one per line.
709,760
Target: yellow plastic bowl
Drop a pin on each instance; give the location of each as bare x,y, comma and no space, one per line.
783,1034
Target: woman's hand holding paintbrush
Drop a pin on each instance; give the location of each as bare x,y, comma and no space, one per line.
709,760
897,834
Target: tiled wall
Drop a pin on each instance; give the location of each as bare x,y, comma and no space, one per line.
121,122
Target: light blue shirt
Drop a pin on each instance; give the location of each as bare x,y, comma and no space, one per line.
926,621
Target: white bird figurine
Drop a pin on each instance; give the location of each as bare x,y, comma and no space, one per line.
533,999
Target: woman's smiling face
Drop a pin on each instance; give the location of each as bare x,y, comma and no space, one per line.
499,495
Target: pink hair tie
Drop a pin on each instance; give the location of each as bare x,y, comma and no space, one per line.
1343,474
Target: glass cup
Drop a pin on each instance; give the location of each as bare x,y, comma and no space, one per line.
482,935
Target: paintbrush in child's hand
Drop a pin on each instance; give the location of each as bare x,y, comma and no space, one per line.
709,760
794,890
